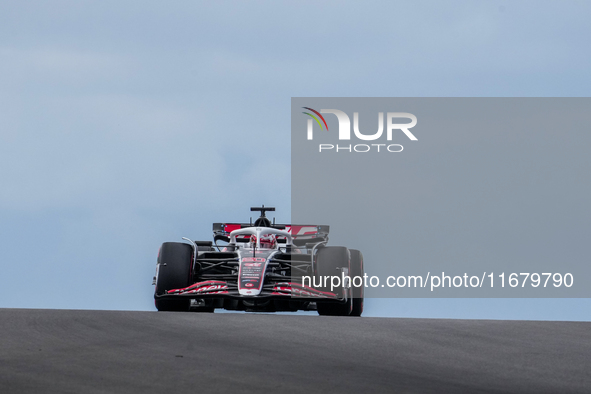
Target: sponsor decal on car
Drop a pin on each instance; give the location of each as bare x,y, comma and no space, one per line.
209,287
250,275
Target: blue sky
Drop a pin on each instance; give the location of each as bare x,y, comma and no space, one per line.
126,124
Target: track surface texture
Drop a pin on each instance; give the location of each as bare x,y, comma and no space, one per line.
67,351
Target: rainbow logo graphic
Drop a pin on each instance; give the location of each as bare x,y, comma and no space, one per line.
315,118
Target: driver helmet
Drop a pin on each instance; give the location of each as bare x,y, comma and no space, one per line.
268,241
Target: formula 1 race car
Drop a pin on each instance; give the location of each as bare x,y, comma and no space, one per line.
260,267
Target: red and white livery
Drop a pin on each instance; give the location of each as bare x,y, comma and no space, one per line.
260,266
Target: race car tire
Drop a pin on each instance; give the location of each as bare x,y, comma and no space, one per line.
329,262
174,265
358,291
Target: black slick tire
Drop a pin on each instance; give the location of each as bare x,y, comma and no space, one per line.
174,269
357,271
329,262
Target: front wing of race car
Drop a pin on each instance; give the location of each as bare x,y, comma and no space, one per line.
278,290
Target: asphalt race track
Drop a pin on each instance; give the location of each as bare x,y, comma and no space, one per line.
66,351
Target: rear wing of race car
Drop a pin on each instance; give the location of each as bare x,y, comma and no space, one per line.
302,235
